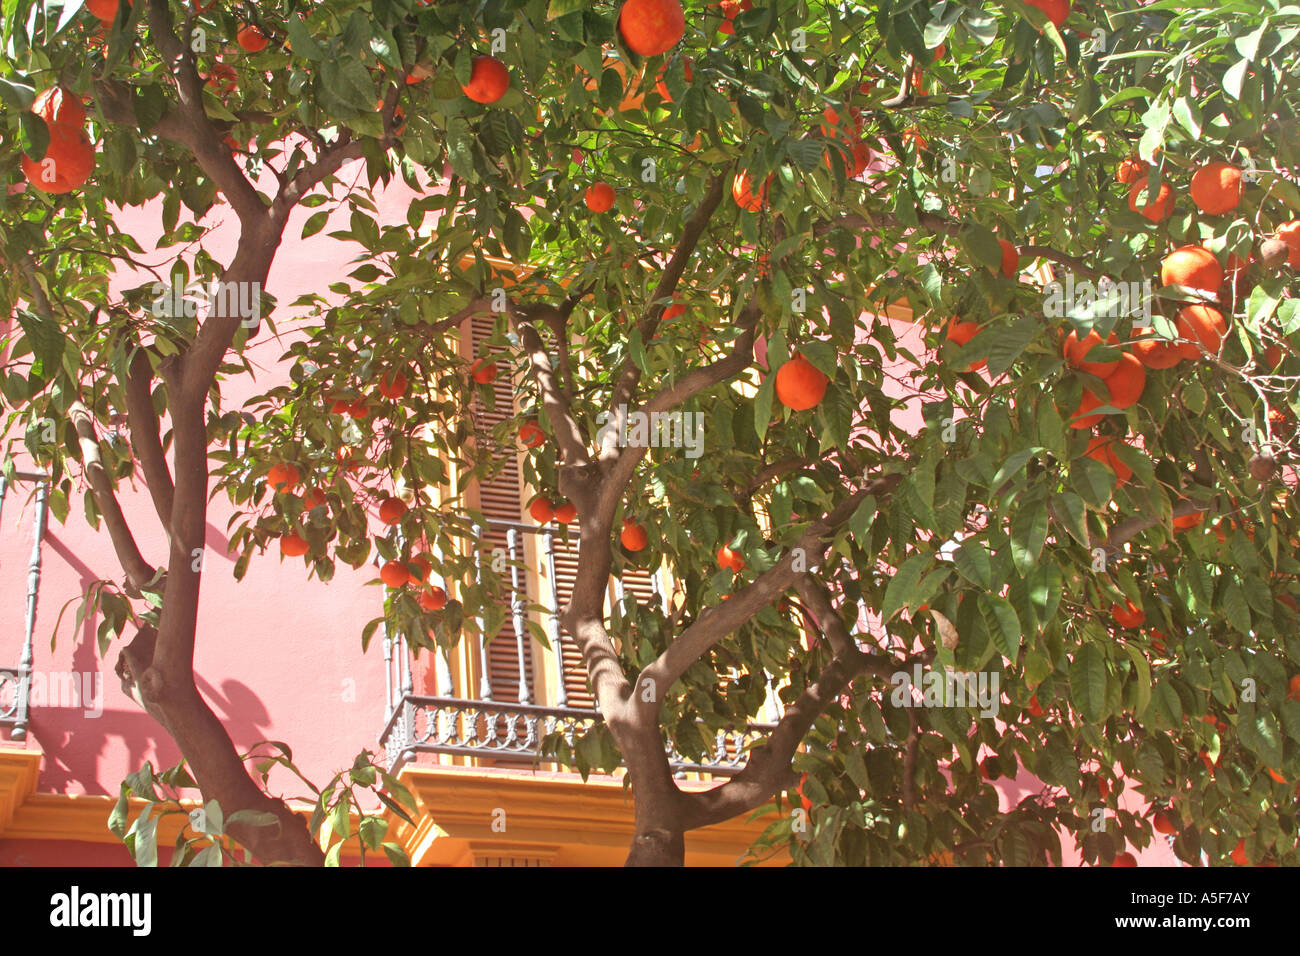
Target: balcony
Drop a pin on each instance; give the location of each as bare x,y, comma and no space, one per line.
15,681
533,718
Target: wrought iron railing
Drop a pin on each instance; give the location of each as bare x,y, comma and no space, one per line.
15,682
492,729
479,726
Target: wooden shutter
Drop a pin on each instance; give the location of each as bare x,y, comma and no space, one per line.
500,499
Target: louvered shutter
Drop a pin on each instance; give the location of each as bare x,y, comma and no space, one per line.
500,500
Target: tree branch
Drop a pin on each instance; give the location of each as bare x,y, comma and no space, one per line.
146,440
717,622
672,274
570,437
138,571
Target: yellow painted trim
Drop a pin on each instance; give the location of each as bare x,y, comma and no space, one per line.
19,770
467,814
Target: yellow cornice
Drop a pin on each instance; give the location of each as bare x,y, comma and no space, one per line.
468,813
549,819
19,769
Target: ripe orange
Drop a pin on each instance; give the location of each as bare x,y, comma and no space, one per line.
1276,776
566,513
730,8
1293,688
1156,209
1272,357
282,477
1216,188
1082,417
1010,258
1239,854
58,107
728,558
488,80
1057,10
104,10
600,197
251,38
69,158
961,331
1129,614
541,510
673,311
1163,824
433,599
481,373
1203,324
1126,382
1184,522
1130,171
662,88
743,195
293,545
1102,449
651,27
394,574
1192,266
800,385
420,567
1035,708
222,79
531,435
313,498
359,409
1289,232
393,385
1076,351
1125,859
391,510
68,162
345,456
913,136
1156,353
633,536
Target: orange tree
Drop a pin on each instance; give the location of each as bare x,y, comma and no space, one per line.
705,214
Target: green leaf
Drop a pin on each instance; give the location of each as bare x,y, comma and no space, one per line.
973,563
1009,343
1235,609
983,245
763,406
301,39
903,588
315,223
1013,464
1260,733
1070,510
1028,535
1188,115
1143,668
1006,632
1088,683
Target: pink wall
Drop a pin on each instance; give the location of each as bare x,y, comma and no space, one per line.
278,656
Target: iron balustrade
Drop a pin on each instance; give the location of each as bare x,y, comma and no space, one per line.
484,727
16,682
